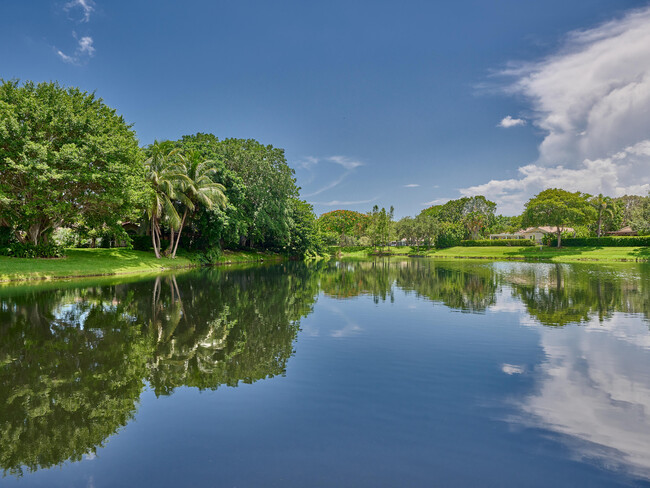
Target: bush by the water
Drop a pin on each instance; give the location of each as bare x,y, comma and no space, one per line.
609,241
28,250
498,242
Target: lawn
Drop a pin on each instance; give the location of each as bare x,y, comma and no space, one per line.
104,262
566,254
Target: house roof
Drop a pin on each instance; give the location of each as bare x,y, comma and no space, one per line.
545,228
625,230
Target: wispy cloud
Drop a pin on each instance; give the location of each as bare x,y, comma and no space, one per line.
348,164
508,122
87,7
84,50
333,203
437,201
592,100
411,185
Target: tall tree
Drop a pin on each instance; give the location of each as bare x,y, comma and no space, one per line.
167,180
558,208
604,206
198,189
64,155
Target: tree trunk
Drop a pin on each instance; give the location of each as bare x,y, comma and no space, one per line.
153,237
559,238
600,220
180,229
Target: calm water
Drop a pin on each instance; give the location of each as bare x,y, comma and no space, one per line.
388,373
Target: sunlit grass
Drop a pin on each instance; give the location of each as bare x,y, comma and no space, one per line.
104,262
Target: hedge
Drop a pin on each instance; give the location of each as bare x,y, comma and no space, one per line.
499,242
609,241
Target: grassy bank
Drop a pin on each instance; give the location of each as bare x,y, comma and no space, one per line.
564,255
105,262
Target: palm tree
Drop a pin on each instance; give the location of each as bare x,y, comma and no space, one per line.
197,189
167,180
603,205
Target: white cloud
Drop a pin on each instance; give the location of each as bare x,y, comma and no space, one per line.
65,57
437,201
84,50
333,203
86,46
512,369
348,164
86,6
612,176
592,100
508,122
411,185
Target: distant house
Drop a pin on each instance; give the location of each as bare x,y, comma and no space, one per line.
533,233
537,233
625,231
505,235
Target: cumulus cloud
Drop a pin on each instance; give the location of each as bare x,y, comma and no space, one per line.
508,122
592,100
348,164
85,6
84,50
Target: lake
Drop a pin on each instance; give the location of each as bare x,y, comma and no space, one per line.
352,373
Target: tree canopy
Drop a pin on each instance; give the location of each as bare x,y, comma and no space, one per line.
64,156
558,208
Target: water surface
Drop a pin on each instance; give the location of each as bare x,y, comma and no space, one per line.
358,373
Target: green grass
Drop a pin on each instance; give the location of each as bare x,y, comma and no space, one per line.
565,255
104,262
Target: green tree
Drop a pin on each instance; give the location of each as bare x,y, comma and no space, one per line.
558,208
605,206
166,179
64,155
198,189
380,229
478,213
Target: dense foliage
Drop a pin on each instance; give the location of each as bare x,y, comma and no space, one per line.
65,157
344,222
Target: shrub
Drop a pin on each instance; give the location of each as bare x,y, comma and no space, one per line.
29,250
498,242
609,241
449,235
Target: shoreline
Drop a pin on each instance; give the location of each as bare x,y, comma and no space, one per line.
103,263
520,254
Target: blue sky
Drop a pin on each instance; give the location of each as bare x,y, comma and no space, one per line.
374,102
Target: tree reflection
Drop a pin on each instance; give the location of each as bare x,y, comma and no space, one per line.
559,294
74,360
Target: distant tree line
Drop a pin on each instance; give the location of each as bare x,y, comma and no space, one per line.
475,218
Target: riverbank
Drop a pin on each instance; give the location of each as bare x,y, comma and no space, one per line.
563,255
80,263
